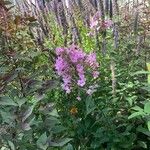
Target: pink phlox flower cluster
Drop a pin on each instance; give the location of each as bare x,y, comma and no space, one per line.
76,55
107,24
95,74
93,23
95,20
61,66
82,79
67,83
71,64
59,51
96,23
92,62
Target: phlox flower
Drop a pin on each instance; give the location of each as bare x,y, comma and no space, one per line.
76,54
66,88
61,65
67,79
81,82
59,50
80,68
78,98
94,21
71,65
107,24
91,60
95,74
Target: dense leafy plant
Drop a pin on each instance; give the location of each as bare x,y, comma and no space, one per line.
105,100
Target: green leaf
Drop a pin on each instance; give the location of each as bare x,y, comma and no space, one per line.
143,130
54,113
148,125
147,108
21,101
131,99
58,129
68,147
99,132
11,145
61,142
96,143
42,142
142,144
136,114
147,88
137,108
140,72
7,116
7,101
34,54
130,85
90,105
27,113
23,58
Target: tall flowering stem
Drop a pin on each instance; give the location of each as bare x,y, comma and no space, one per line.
73,65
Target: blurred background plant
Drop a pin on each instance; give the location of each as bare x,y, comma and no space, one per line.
36,113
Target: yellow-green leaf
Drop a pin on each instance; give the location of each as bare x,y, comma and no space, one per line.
148,125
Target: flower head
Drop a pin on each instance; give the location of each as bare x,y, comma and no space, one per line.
81,82
74,110
95,74
59,50
71,65
94,21
107,24
78,98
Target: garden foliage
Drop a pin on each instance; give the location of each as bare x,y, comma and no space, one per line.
75,76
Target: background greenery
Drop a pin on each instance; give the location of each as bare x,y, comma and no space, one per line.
36,114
